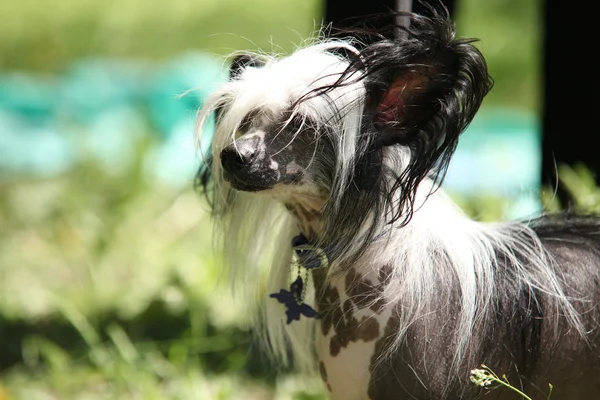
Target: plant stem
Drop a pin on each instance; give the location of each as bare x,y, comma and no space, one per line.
513,389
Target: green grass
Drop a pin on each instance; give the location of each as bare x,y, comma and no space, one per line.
109,289
510,37
46,35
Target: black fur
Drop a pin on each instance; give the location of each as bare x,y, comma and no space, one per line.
523,335
243,61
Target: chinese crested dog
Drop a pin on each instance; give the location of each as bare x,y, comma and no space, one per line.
324,182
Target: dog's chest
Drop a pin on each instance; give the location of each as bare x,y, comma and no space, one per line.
354,318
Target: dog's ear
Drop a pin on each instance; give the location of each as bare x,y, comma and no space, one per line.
238,64
241,62
402,105
428,83
422,91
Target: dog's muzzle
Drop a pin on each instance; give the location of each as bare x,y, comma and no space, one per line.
247,167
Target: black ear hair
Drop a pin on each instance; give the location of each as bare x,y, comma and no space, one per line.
241,62
202,180
428,77
422,91
238,64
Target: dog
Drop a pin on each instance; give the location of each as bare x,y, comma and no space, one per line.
324,181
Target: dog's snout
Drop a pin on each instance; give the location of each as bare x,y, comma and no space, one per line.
246,165
234,157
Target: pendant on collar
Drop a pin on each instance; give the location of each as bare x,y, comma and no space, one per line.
308,257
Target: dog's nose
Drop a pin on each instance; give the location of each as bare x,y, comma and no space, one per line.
235,157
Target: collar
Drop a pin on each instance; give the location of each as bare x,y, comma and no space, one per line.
310,258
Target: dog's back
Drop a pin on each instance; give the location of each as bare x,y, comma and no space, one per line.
523,336
566,360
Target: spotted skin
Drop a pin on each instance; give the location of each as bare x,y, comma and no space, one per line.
308,215
355,322
366,294
352,324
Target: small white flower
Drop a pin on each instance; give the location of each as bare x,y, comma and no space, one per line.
481,377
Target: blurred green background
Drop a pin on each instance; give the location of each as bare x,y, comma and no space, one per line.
109,288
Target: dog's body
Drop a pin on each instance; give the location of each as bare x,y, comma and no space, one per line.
346,147
532,344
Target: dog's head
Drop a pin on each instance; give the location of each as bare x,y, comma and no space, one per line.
347,123
273,134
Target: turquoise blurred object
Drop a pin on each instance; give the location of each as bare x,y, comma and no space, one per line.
99,108
91,88
30,97
500,155
178,89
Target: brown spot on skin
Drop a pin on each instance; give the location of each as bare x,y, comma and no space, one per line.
385,275
335,346
323,373
368,329
362,291
292,209
366,294
340,317
348,308
351,330
310,221
329,306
